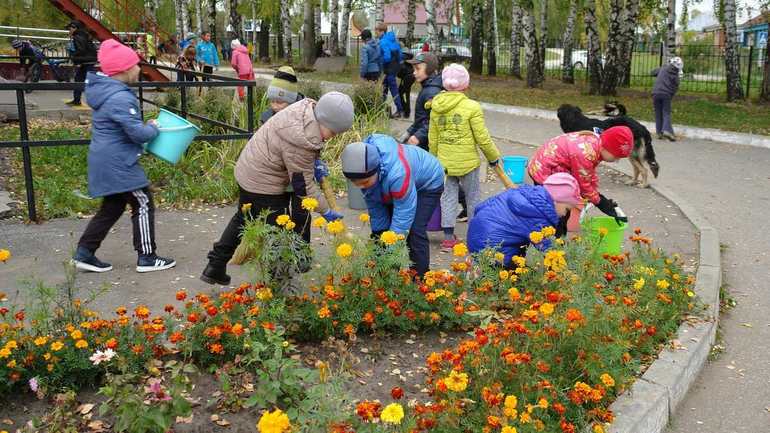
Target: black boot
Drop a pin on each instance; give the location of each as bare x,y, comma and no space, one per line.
215,275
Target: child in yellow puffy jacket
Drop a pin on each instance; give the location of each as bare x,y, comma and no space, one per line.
455,135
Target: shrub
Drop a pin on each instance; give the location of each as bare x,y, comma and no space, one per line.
311,89
368,100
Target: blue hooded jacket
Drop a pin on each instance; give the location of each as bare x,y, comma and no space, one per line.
206,52
391,53
117,135
504,221
370,58
404,171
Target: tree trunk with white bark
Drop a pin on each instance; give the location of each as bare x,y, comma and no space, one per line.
253,30
490,39
732,61
411,17
286,26
670,30
236,21
317,21
379,12
212,21
346,6
531,49
198,16
594,55
567,70
430,24
615,43
477,33
631,16
516,39
334,36
543,34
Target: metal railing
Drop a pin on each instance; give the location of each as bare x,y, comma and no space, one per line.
25,143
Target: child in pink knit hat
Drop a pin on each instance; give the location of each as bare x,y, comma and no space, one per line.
456,132
118,134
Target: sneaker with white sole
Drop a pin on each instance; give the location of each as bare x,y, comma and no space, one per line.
153,262
90,263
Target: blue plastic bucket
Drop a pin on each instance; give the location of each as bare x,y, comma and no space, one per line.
176,134
515,167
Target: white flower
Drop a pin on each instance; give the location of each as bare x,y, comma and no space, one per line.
98,357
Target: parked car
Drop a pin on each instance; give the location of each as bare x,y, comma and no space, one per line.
449,53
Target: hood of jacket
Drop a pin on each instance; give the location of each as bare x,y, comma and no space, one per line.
445,102
389,38
100,88
433,81
297,124
242,49
533,202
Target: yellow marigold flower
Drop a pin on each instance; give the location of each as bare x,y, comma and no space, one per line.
4,255
690,293
11,364
607,380
548,231
40,341
542,403
456,382
264,294
47,356
324,312
282,219
435,317
509,429
344,250
11,344
460,250
319,222
76,334
335,227
597,428
525,418
364,218
57,346
5,352
519,261
389,237
246,207
638,284
309,204
536,237
499,257
81,344
290,225
513,294
554,260
274,422
663,284
511,401
392,414
503,275
546,309
430,282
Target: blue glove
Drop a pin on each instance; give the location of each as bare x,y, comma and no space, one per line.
332,215
321,170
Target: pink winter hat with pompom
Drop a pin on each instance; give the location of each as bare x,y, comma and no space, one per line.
563,188
115,57
455,78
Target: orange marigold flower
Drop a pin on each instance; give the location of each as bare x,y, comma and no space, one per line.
493,421
137,349
237,330
216,348
269,326
168,308
142,312
368,410
212,310
112,343
397,393
120,311
574,315
192,318
181,295
176,337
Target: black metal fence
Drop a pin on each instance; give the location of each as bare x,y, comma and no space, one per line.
704,65
25,143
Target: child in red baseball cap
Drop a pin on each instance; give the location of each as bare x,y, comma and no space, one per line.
579,153
118,134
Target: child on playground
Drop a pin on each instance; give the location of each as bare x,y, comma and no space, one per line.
402,186
504,221
114,173
281,153
241,64
579,153
455,134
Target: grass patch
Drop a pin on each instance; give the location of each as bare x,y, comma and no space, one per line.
688,109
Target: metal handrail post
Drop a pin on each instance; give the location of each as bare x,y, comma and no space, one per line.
21,106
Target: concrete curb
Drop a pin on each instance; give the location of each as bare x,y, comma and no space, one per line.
653,398
753,140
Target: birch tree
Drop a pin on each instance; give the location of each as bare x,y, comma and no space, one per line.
308,27
490,38
543,34
567,71
286,26
212,19
531,50
411,17
347,5
236,23
732,65
317,21
198,16
594,66
430,24
631,17
379,12
515,66
615,44
671,30
334,37
477,31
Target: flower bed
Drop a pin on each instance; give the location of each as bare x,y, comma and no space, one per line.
554,339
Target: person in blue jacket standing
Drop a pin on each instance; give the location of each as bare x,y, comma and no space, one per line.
402,186
117,136
370,66
504,221
390,50
206,55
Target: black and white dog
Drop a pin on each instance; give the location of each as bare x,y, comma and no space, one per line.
572,119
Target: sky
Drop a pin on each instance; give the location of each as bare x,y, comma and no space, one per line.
707,6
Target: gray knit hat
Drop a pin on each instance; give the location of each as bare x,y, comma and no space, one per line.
335,111
360,160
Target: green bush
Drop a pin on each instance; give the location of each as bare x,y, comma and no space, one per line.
367,99
311,89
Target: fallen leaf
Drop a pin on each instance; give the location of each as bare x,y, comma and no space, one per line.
97,426
223,423
214,417
84,409
7,421
747,325
731,367
185,419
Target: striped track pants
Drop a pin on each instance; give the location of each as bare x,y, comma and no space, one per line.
113,206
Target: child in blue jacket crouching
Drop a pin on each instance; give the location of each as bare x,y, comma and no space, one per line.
114,173
402,186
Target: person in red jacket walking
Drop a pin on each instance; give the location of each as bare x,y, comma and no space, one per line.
579,153
241,63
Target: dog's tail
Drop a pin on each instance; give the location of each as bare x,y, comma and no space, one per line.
649,154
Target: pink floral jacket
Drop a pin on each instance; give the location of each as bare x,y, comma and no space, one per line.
576,153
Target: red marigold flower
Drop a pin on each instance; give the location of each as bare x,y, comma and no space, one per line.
19,316
142,312
181,295
203,299
216,348
558,408
574,315
567,427
3,311
651,330
609,276
368,410
112,343
269,326
397,393
192,318
212,310
176,337
168,308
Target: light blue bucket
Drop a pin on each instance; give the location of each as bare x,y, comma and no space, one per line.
176,134
515,167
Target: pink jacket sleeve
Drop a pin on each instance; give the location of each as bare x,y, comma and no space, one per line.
583,159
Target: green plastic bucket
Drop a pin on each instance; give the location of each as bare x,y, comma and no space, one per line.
176,134
612,242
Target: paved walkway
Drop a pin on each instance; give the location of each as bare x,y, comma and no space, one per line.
730,186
